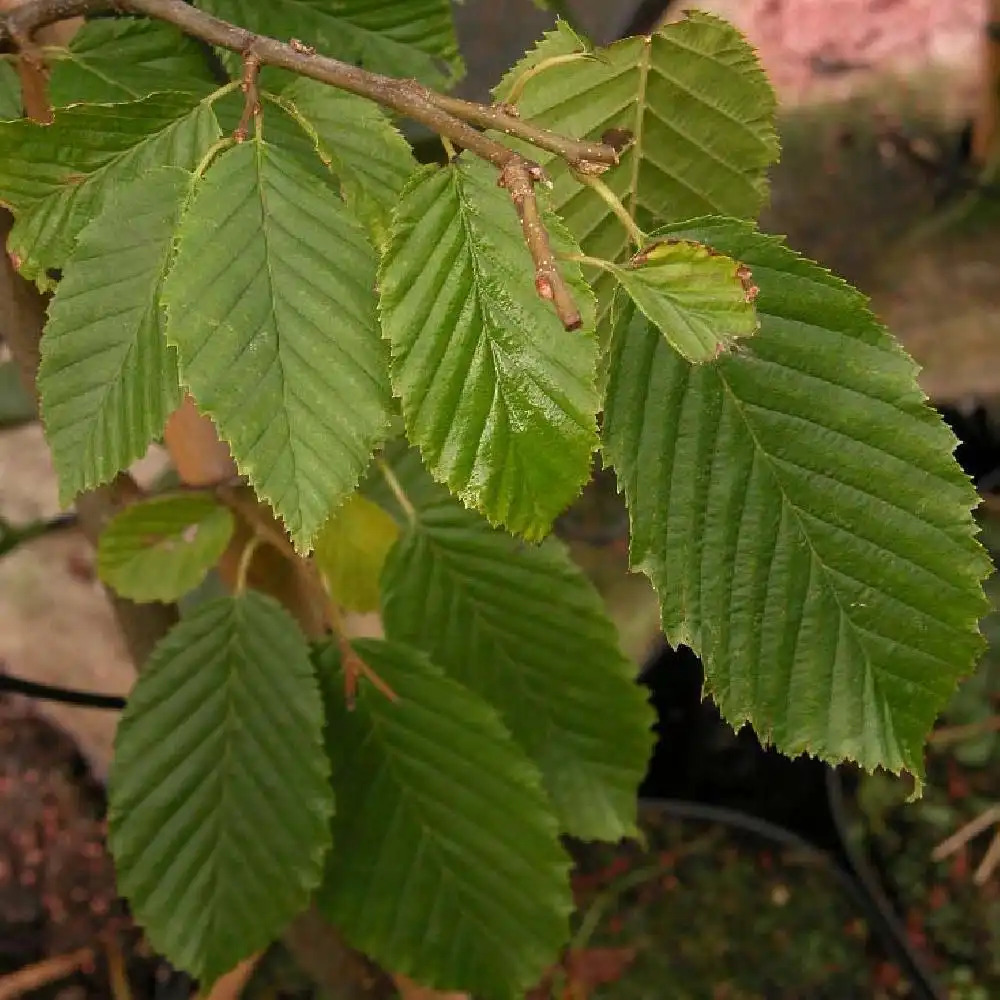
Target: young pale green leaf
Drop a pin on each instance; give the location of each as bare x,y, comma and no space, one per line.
220,798
699,299
162,548
447,865
351,550
498,396
10,92
112,60
108,379
798,509
277,337
522,627
700,112
58,177
357,141
407,38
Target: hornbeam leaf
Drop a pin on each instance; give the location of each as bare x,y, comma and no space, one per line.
699,299
522,627
108,379
56,178
271,306
447,864
10,92
406,38
220,797
699,110
123,59
498,396
161,548
358,142
799,511
351,551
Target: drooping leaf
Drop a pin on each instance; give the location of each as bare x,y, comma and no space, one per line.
351,550
498,396
699,299
108,379
58,177
406,38
800,514
355,138
220,798
10,92
277,337
447,865
522,627
700,111
161,548
117,59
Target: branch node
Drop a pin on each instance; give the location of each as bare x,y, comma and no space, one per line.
251,102
301,47
518,176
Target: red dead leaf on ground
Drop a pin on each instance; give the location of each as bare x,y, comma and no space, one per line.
585,970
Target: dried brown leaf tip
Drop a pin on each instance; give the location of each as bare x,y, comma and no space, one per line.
746,279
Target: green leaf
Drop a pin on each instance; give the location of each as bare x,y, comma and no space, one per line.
277,338
498,396
10,92
799,511
220,799
58,177
522,627
447,865
351,550
700,300
111,60
161,548
699,108
358,142
107,379
406,38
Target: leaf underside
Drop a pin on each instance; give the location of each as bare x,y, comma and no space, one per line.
701,112
498,396
219,796
447,865
107,379
277,337
523,628
800,514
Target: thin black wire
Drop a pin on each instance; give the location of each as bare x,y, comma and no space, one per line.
53,692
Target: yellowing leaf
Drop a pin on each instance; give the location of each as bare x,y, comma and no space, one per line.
351,549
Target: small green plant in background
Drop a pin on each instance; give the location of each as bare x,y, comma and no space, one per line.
582,275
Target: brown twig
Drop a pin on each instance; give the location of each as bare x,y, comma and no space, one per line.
519,177
353,665
588,157
449,117
49,970
251,95
955,734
